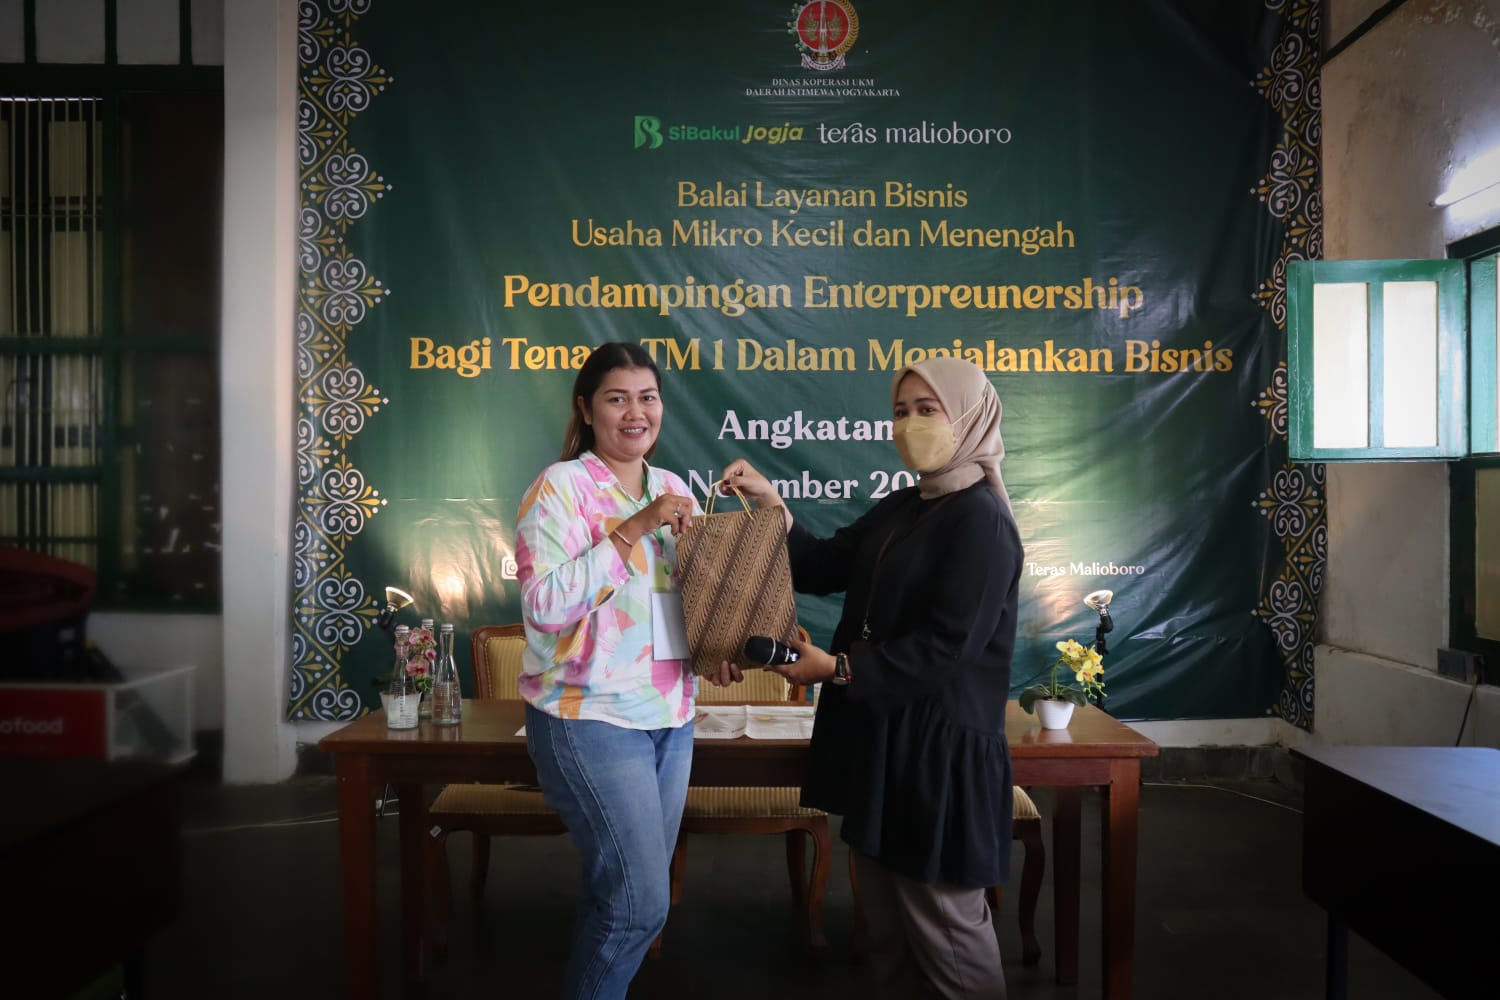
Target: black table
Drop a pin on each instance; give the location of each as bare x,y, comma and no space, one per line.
91,862
1402,845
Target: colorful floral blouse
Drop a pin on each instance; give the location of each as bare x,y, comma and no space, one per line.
588,614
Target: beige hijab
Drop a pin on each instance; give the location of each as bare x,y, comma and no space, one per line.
974,408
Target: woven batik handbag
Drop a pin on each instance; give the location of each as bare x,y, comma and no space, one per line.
736,582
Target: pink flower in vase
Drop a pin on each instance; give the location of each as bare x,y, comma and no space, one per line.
421,657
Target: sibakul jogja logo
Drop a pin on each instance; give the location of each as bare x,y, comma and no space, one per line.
825,30
650,134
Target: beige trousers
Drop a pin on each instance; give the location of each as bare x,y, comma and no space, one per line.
928,941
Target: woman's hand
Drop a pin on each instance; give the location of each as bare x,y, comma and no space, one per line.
667,511
728,674
741,475
813,665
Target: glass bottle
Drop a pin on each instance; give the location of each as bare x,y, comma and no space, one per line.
427,665
401,696
447,695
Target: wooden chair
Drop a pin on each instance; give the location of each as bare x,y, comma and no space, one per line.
485,810
1026,826
761,810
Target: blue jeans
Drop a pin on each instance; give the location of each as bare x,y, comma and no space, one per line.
620,792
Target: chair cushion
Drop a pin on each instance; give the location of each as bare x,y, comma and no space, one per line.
1021,806
502,662
758,685
490,800
746,803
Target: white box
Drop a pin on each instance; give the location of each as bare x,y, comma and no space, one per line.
149,715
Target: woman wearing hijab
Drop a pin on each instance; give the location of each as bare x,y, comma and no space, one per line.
909,743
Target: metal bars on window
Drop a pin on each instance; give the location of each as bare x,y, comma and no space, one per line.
52,383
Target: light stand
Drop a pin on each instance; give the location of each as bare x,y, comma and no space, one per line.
395,600
1098,602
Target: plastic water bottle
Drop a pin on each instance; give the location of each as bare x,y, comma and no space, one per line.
447,695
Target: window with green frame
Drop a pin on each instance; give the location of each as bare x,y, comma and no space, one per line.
1428,331
1377,360
110,206
1474,482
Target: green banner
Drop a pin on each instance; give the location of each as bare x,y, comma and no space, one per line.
785,203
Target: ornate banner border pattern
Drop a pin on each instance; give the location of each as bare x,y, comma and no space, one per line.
1294,502
331,609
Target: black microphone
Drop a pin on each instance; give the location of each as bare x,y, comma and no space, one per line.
764,649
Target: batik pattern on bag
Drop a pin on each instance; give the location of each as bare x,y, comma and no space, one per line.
736,582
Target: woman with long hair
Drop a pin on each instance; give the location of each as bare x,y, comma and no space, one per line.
609,724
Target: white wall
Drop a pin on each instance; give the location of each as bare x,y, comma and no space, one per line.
1343,16
258,383
1406,108
1386,587
1410,706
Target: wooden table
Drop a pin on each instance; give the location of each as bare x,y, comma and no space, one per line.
1095,750
1368,809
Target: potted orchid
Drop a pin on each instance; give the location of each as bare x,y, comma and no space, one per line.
419,654
1055,700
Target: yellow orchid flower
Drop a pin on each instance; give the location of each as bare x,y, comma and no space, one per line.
1085,664
1070,648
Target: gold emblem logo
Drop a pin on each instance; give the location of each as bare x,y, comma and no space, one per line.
825,30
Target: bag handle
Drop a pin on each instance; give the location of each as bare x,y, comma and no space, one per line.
713,494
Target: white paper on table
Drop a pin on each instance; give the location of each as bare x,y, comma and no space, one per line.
779,722
759,722
719,722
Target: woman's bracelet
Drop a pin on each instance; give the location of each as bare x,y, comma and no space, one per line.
616,534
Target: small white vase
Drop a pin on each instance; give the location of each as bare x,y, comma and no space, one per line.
1055,713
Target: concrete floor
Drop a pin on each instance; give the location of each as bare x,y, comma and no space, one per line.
1221,913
